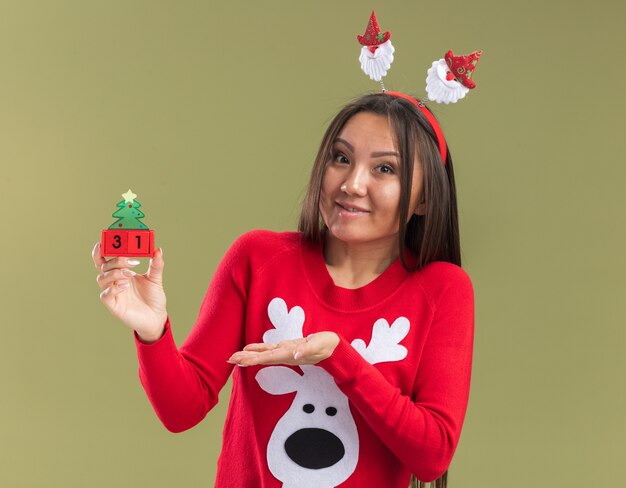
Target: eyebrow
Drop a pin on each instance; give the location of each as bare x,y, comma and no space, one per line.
377,154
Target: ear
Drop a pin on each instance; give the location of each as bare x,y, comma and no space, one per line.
278,380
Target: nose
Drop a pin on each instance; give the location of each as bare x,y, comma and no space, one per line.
356,182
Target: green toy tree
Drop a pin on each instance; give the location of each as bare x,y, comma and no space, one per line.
129,214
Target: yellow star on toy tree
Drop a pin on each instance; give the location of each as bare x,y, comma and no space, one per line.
129,196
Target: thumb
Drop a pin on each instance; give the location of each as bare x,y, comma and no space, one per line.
155,268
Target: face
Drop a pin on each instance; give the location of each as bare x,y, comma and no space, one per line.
360,198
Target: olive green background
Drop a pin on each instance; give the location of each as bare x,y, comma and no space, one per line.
212,112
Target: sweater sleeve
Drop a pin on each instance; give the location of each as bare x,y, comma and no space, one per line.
183,384
422,431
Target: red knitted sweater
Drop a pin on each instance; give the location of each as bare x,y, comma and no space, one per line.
388,402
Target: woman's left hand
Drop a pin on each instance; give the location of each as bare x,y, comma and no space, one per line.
309,350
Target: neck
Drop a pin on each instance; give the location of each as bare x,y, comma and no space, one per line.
353,265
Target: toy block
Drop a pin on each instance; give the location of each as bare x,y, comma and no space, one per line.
114,243
141,243
127,242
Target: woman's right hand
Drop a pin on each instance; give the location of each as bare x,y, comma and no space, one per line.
137,300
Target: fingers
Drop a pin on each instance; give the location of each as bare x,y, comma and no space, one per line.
272,356
261,353
118,262
112,270
115,276
109,295
155,268
302,350
98,260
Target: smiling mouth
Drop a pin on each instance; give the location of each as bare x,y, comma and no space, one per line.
351,209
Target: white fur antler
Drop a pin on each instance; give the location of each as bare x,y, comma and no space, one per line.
287,323
384,345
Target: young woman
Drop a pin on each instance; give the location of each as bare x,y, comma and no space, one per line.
350,340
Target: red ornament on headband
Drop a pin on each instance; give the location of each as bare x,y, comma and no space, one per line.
449,79
377,51
462,67
373,36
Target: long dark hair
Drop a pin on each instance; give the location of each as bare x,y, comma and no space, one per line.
433,236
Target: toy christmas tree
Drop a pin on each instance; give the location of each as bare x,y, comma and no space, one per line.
127,236
129,213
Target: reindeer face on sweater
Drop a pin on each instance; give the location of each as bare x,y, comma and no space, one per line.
315,444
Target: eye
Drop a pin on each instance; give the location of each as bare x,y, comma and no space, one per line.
339,157
309,408
331,411
385,169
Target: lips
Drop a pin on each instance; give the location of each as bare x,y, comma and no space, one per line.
351,208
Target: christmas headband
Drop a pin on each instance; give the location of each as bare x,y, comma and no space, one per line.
449,79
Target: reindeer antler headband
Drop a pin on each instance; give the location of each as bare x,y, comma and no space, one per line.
449,79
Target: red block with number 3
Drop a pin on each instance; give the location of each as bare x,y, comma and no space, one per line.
127,243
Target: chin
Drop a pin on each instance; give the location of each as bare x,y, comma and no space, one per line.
359,236
347,235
